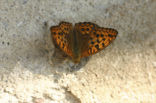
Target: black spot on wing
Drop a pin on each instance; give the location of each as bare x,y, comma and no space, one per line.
82,29
92,42
97,46
97,35
60,33
87,29
54,33
98,41
63,45
111,35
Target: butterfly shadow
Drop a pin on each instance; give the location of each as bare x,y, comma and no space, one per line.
49,57
58,61
63,63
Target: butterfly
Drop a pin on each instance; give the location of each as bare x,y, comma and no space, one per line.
81,40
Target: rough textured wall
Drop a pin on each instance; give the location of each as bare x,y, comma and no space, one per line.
125,72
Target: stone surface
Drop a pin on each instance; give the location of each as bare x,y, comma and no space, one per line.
125,72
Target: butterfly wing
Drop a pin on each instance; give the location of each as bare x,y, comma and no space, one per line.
61,36
97,37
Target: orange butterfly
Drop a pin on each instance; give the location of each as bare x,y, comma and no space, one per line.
81,40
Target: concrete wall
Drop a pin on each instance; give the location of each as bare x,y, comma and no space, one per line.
124,72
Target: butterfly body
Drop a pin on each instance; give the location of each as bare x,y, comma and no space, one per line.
82,39
75,46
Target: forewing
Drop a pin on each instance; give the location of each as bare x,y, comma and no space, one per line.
97,38
85,28
61,35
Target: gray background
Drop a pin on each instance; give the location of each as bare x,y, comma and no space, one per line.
125,72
